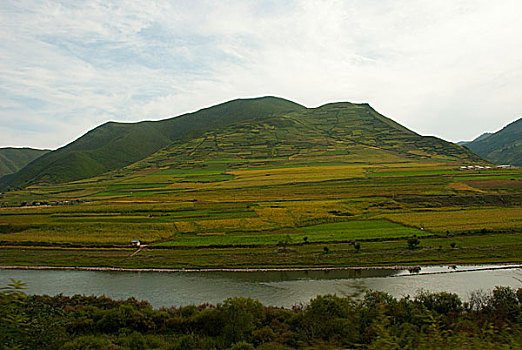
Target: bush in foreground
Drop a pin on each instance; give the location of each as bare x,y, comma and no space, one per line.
378,321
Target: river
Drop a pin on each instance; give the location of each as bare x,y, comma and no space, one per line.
277,288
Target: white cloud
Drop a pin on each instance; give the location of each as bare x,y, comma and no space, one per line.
449,68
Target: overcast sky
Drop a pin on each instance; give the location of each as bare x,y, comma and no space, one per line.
451,68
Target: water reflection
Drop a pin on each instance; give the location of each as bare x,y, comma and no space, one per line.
276,276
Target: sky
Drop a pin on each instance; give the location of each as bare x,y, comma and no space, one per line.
448,68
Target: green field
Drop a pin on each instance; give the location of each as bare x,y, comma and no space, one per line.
259,216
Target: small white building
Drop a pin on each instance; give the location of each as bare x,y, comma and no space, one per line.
135,243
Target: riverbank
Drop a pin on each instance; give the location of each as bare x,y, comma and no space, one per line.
473,250
414,269
118,269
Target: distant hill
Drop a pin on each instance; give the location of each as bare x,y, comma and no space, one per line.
481,137
502,147
240,130
13,159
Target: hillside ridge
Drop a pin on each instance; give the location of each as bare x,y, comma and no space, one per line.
269,127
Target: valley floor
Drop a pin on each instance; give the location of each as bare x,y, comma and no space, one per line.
302,216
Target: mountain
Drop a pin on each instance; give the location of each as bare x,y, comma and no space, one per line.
502,147
481,137
114,145
333,133
13,159
239,130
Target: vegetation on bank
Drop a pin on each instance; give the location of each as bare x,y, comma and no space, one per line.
475,249
377,321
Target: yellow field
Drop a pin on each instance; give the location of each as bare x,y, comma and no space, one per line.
462,220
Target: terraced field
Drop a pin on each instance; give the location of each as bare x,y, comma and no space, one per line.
216,211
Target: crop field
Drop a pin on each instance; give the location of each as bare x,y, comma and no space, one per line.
369,229
212,212
456,221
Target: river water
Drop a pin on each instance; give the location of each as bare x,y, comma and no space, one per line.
277,288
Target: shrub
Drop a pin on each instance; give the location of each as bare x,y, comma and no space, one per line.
442,303
88,342
505,303
413,242
134,341
272,346
241,316
242,346
478,301
186,342
332,318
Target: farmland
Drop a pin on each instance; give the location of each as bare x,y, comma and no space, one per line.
266,214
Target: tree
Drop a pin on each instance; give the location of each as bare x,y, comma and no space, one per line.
241,317
333,319
442,302
505,303
413,242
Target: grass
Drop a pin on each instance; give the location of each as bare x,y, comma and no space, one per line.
341,231
369,229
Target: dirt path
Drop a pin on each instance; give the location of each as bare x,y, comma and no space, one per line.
137,251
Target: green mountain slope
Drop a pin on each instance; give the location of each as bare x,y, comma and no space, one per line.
237,132
115,145
339,132
14,159
502,147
